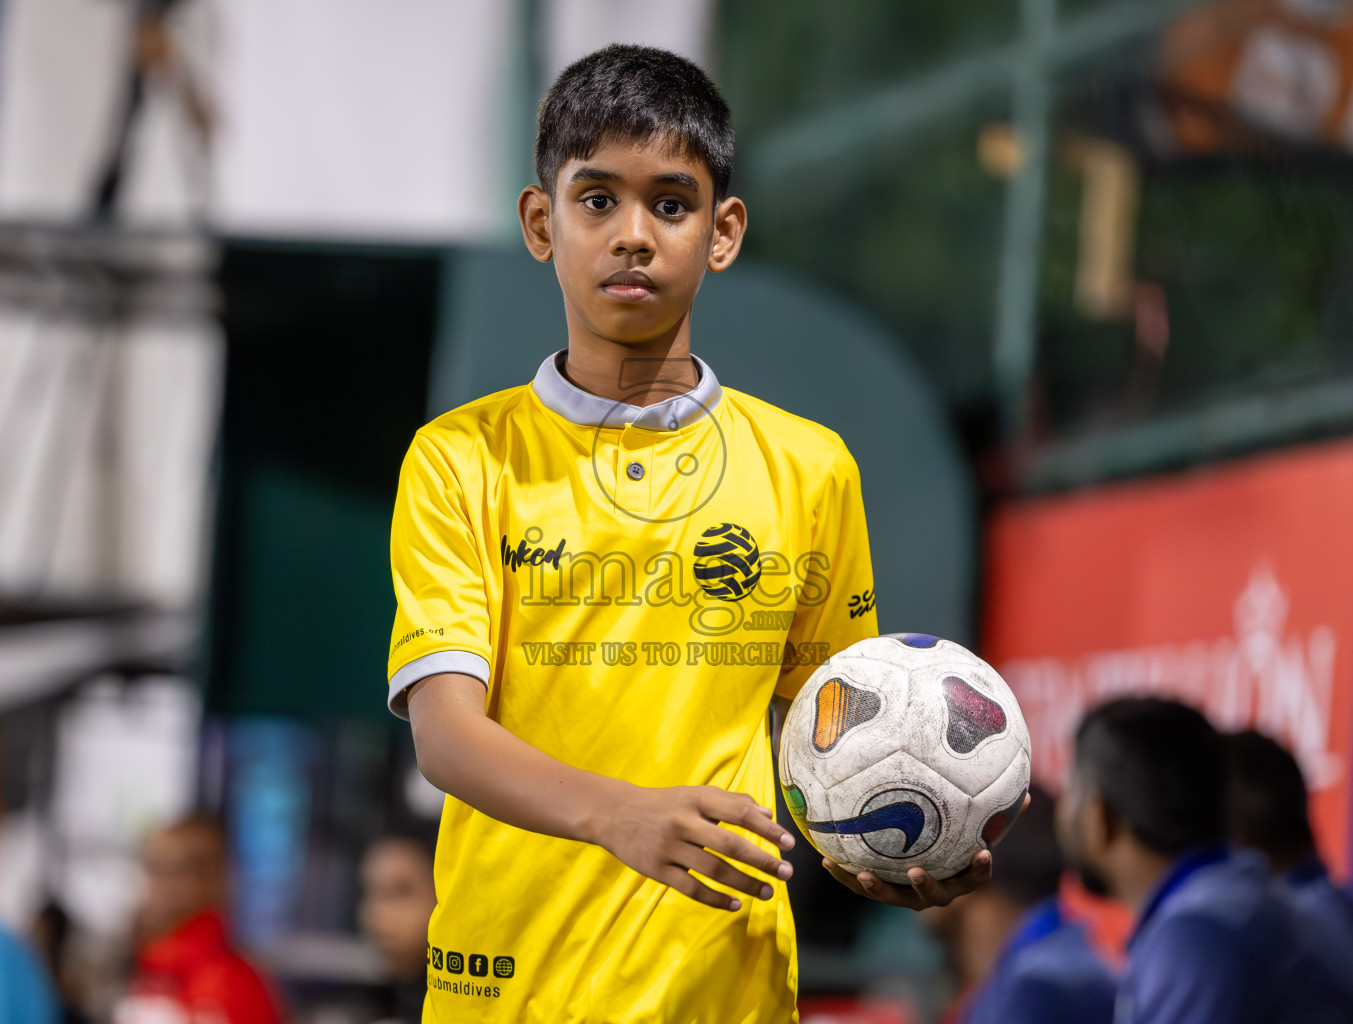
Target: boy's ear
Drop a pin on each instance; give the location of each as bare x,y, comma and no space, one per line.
730,224
533,210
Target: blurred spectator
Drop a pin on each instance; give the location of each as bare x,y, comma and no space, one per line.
25,993
398,897
1011,944
51,936
1143,816
186,970
1266,808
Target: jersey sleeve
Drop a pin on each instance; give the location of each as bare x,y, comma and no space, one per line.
442,615
836,600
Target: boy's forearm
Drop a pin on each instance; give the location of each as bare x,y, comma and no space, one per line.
667,834
476,760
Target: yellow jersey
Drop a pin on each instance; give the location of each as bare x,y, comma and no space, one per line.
632,584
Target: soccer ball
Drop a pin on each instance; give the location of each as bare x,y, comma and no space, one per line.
903,751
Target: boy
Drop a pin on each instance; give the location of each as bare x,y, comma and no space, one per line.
603,578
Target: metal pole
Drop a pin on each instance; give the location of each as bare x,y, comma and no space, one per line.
852,131
526,72
1016,343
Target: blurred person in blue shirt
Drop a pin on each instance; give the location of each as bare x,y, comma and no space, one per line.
26,995
1011,944
1216,941
1267,811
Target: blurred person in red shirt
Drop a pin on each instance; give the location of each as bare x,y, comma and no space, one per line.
398,897
186,971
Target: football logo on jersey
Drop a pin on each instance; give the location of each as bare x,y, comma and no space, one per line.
973,716
727,562
896,823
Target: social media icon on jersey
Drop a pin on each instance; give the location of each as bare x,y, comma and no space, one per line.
436,959
479,965
503,966
455,963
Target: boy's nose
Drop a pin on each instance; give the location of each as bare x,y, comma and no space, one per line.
633,234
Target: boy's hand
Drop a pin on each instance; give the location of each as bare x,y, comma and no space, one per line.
666,834
924,891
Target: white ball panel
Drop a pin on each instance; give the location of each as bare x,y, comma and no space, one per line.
971,770
956,858
1000,691
859,746
899,772
1001,794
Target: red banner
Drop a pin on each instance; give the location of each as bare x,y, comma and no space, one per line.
1230,588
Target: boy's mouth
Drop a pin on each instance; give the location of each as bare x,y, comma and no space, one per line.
629,285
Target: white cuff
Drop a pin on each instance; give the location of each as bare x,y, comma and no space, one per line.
430,665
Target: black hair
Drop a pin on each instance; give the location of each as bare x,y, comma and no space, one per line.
1160,766
424,839
1029,864
1266,801
634,92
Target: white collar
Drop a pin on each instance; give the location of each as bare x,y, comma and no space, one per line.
560,395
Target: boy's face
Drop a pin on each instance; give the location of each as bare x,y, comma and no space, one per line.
632,230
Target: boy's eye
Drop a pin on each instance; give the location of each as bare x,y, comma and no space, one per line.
670,207
598,202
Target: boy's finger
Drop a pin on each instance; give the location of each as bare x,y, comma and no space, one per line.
887,892
719,870
741,810
978,872
981,866
843,876
687,884
934,893
930,891
759,823
735,847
